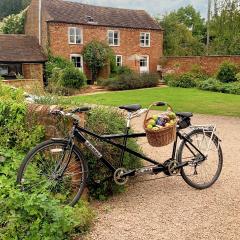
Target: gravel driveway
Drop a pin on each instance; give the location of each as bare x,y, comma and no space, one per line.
168,208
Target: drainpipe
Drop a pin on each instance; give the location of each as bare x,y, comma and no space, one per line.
40,21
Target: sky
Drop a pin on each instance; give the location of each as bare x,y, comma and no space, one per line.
154,7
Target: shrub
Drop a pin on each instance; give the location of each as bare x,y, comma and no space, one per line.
103,120
19,76
169,78
23,216
215,85
238,77
14,24
149,80
132,81
54,63
198,73
185,80
227,72
14,132
72,78
210,84
1,78
35,216
118,70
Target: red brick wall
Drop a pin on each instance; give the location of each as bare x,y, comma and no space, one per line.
33,71
129,43
32,23
209,64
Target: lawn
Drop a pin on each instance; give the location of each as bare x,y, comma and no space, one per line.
193,100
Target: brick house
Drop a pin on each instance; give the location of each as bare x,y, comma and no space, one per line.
21,54
65,27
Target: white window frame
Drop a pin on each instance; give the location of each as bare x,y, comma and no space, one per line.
119,38
81,57
148,63
121,62
144,34
75,35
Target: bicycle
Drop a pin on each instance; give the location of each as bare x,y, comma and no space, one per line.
59,165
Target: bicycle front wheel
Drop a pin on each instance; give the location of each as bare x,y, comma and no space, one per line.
201,174
52,167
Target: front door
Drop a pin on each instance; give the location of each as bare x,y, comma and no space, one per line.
144,64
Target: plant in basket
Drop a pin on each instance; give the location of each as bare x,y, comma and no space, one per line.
161,129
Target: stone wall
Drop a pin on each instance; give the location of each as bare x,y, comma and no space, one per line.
208,64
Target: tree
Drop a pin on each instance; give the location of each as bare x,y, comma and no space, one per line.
184,32
14,24
96,55
9,7
193,20
224,30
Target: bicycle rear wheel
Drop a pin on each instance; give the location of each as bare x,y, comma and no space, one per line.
201,174
42,170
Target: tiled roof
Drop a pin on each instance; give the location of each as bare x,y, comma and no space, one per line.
20,48
73,12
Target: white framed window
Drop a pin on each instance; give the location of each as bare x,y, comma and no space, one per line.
75,35
77,59
114,38
145,39
119,60
144,64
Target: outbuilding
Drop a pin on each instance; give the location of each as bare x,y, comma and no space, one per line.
21,57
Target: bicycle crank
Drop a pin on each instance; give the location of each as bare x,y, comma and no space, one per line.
173,168
118,177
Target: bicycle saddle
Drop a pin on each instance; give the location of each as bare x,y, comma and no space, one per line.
131,108
184,114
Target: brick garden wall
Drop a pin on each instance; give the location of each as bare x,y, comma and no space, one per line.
28,85
209,64
129,43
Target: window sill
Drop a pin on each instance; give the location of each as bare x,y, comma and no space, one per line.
75,43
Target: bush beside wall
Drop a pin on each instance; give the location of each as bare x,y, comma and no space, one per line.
22,215
129,81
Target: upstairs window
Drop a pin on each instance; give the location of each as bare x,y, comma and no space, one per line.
119,60
114,38
145,39
75,35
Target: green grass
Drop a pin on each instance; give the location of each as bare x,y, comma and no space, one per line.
193,100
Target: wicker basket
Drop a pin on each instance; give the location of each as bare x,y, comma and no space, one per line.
163,136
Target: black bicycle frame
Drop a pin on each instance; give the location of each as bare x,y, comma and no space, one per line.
77,132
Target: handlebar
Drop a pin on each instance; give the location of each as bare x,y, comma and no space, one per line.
72,113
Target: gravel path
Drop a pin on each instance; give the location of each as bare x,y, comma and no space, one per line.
169,208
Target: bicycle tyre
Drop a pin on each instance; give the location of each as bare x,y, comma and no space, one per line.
184,174
51,143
